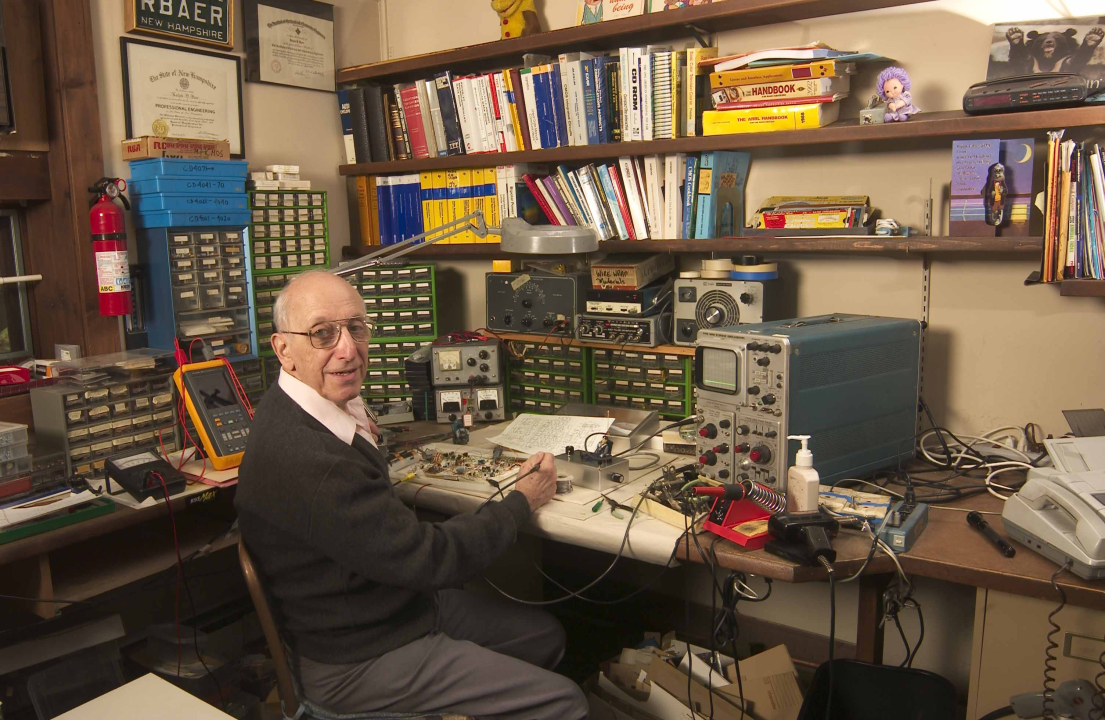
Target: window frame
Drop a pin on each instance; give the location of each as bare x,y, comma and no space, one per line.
12,216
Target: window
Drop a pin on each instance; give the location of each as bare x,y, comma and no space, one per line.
15,322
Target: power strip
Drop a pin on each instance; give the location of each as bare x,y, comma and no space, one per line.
903,525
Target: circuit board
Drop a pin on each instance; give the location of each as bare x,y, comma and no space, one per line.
467,466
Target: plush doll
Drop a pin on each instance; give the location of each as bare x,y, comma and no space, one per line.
519,18
894,88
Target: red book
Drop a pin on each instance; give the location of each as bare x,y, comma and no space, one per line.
619,192
538,195
416,128
498,111
778,102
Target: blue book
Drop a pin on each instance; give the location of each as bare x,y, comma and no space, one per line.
590,102
612,202
546,116
383,198
690,196
720,210
346,115
560,118
601,101
415,221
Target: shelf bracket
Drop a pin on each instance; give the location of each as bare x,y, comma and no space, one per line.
704,38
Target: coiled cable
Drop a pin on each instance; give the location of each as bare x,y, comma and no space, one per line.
1049,654
770,500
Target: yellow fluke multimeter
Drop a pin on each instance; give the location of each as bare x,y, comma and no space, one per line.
216,411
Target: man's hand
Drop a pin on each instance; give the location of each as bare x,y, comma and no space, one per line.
540,486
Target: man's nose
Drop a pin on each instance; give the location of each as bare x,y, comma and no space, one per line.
346,347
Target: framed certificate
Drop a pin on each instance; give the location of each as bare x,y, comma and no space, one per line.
172,91
290,42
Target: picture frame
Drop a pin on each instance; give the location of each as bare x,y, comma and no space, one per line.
181,92
212,21
290,42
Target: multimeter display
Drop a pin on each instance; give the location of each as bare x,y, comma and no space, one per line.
216,406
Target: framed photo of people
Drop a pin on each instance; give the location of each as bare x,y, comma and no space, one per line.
178,92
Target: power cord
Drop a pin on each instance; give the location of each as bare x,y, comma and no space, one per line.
832,631
1049,654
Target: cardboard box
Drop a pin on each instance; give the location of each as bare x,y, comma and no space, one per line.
631,272
770,684
726,707
149,146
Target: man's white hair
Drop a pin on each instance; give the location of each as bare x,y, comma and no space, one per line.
280,310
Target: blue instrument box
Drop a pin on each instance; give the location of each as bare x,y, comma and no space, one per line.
187,218
190,203
196,185
156,167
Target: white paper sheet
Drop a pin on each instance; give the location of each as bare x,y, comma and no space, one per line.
550,433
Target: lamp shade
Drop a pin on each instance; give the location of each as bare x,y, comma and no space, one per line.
518,236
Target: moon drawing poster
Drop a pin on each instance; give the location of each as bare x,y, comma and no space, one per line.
991,192
1016,157
1071,45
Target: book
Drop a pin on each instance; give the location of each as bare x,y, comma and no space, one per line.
654,192
634,197
347,100
603,201
793,90
436,118
427,120
690,196
592,199
577,202
395,138
539,194
440,199
522,118
529,90
466,123
575,112
623,202
771,119
383,206
610,196
486,119
661,94
566,193
364,209
559,116
465,203
778,73
697,87
590,102
767,102
615,102
674,177
379,124
557,201
453,203
454,138
426,200
399,103
813,51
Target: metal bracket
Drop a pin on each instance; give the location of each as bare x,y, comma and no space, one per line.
926,302
698,34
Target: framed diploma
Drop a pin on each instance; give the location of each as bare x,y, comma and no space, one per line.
290,42
178,92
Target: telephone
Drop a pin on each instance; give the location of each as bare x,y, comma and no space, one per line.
1061,515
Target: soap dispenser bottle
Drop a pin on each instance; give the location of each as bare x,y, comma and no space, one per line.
803,483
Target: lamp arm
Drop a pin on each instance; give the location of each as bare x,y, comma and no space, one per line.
398,250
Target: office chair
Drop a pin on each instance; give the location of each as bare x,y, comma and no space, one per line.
862,691
292,704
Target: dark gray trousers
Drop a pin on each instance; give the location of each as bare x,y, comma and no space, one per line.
487,658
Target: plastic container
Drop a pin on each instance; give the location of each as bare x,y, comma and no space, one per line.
13,434
233,275
182,185
180,279
234,261
186,299
209,263
260,262
189,203
208,250
179,240
235,294
259,231
160,167
210,276
188,218
803,483
212,296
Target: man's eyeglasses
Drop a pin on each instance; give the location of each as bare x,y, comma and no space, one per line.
326,335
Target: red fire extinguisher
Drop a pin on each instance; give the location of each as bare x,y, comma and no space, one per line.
109,243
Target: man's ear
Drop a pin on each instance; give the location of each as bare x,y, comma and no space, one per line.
280,347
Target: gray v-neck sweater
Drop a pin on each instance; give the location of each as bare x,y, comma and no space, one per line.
350,569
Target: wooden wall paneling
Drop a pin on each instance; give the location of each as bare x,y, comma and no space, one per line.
58,241
22,32
24,176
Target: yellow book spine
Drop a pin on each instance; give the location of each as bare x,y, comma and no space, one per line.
694,56
771,119
776,73
452,179
491,202
465,206
426,189
440,199
509,85
373,212
364,211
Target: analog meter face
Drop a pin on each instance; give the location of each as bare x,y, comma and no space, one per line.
448,360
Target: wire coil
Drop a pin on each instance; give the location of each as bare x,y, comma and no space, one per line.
770,500
1049,653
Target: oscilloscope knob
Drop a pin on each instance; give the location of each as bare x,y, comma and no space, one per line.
484,354
754,390
742,429
527,321
471,362
761,454
527,303
708,431
724,424
708,458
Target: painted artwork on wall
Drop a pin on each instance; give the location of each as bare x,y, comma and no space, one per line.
1046,46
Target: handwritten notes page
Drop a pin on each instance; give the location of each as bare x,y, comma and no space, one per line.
550,433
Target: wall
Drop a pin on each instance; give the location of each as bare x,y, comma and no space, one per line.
997,352
283,125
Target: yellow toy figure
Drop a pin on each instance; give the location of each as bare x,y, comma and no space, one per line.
519,18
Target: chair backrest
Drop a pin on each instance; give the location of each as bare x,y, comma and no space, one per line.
862,691
272,636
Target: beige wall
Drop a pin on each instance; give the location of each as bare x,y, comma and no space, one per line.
997,352
282,125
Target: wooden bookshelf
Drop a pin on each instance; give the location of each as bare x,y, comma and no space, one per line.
773,245
1082,288
641,30
929,125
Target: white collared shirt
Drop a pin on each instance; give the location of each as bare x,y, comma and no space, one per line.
343,422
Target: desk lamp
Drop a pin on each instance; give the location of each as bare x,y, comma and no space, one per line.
518,237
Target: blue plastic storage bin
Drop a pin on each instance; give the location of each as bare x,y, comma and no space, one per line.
176,185
190,203
155,167
184,218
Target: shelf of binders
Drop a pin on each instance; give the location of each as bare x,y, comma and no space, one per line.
949,124
650,28
837,244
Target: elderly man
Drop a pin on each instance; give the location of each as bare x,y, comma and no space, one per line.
365,592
